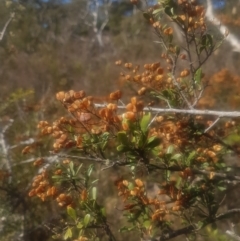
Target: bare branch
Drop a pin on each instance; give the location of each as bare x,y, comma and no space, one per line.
5,149
221,114
193,228
233,235
5,26
231,39
212,125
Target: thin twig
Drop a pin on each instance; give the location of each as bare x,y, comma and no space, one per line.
212,125
6,25
191,228
222,114
233,235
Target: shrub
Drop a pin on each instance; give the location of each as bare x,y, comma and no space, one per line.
161,136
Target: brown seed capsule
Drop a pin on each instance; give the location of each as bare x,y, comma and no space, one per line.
129,115
32,193
115,95
83,117
79,95
139,106
168,31
139,183
60,95
38,162
26,150
142,91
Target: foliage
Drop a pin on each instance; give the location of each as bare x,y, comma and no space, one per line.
181,154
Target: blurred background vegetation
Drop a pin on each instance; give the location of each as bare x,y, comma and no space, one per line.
53,45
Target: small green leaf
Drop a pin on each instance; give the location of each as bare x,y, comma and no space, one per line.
176,156
122,137
198,76
71,166
55,236
79,225
177,50
123,148
190,157
103,211
153,142
86,219
156,11
56,177
221,188
145,122
123,229
80,166
200,224
68,234
147,224
170,149
72,213
94,193
90,169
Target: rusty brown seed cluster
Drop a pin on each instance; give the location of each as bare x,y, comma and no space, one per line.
151,78
190,18
86,118
43,188
136,196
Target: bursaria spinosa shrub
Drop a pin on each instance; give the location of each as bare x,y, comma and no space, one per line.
154,130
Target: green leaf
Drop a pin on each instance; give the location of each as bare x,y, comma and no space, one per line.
123,229
79,225
71,166
105,138
122,137
177,50
170,149
190,157
56,177
94,181
55,236
123,148
80,166
72,213
103,211
221,188
145,122
147,15
68,234
198,76
207,41
89,171
94,193
156,11
86,219
176,156
147,224
153,141
200,224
